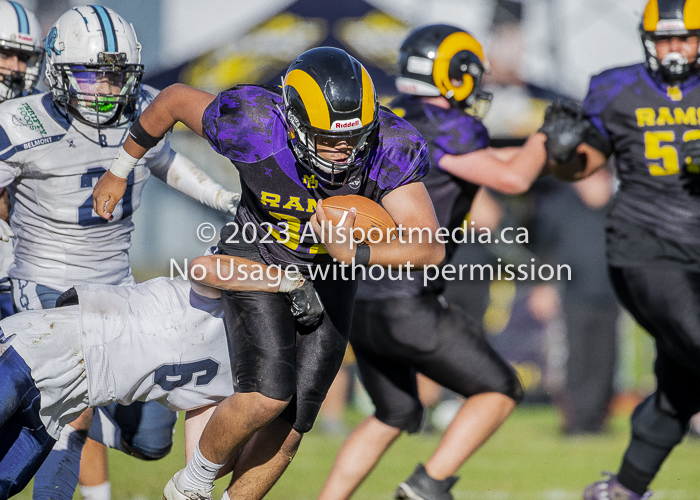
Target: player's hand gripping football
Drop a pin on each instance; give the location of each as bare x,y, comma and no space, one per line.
107,193
690,171
565,127
338,239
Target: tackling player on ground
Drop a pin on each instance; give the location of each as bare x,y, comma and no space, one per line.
53,148
401,327
322,134
161,341
647,116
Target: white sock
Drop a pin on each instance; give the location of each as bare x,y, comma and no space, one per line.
100,492
199,473
58,475
225,496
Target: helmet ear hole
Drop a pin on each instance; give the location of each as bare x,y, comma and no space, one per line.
451,64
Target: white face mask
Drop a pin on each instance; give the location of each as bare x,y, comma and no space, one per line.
675,63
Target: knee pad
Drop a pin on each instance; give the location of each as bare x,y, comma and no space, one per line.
507,384
142,454
409,419
146,429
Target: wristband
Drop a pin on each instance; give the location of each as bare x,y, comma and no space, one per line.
139,135
362,255
123,164
290,281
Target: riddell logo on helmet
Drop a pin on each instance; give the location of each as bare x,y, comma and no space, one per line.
670,25
346,124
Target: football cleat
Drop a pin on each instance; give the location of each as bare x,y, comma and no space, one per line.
172,492
611,489
420,486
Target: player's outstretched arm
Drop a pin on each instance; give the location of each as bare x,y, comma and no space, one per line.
180,173
177,103
411,209
511,172
569,133
210,274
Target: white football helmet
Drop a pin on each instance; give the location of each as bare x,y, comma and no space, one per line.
93,65
20,36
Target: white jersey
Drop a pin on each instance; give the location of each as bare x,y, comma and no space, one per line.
155,341
50,165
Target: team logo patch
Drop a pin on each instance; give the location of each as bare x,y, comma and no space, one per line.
310,181
28,118
346,124
674,93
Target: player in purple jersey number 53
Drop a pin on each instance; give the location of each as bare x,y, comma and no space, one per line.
646,114
322,134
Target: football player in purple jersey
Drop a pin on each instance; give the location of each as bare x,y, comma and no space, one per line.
646,115
321,134
401,326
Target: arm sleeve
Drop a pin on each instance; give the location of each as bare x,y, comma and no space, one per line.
458,137
180,173
594,104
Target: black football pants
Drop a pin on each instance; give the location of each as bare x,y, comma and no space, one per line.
665,300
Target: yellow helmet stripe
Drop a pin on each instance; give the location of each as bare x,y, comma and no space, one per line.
651,15
312,97
367,98
691,14
452,44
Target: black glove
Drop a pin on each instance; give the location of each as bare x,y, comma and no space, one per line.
690,170
307,307
565,127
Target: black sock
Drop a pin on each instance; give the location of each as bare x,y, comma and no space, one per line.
634,479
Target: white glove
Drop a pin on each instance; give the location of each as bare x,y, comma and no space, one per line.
5,231
227,202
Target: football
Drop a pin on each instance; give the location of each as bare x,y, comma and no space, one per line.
375,223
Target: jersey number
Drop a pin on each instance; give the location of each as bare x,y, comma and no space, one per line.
654,150
86,216
291,234
170,377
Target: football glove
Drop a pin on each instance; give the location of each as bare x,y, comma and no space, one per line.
690,171
307,307
565,127
5,231
227,202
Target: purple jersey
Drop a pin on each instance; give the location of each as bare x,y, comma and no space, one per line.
644,123
448,131
245,124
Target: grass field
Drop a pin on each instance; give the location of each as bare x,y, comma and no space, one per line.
526,460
